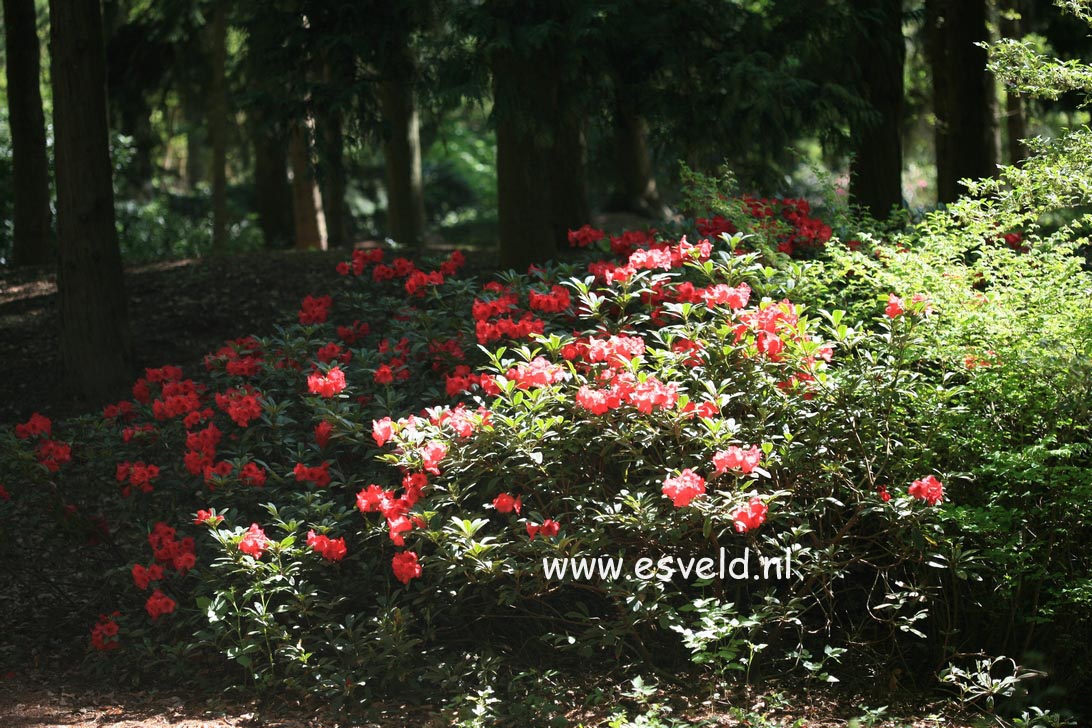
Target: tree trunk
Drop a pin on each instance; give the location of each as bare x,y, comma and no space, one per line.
876,174
1016,121
306,199
218,127
90,284
193,110
272,192
569,179
402,154
331,140
33,226
526,91
962,89
636,191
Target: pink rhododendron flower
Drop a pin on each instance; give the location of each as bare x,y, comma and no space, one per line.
736,458
254,542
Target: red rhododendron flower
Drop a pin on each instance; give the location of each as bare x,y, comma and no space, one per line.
104,633
207,518
684,488
254,541
383,375
37,425
331,549
894,306
928,489
159,604
52,454
145,575
538,372
405,566
505,503
736,458
750,516
253,475
315,310
323,430
319,475
882,492
327,385
4,494
548,529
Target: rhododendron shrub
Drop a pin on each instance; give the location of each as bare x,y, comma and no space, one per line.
371,491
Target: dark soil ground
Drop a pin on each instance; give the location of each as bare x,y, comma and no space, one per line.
178,311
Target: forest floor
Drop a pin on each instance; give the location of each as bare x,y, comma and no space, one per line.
35,702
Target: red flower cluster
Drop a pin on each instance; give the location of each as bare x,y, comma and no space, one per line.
505,503
750,516
254,543
538,372
51,454
331,549
104,635
547,529
585,236
171,551
136,475
684,488
318,476
928,489
736,458
143,576
159,604
327,385
315,310
395,509
405,566
241,405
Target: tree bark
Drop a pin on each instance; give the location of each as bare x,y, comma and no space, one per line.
636,191
526,92
272,192
218,127
1016,121
962,89
568,178
876,174
94,332
306,199
32,219
193,110
331,141
402,154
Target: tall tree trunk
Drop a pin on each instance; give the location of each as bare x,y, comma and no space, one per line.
1016,120
402,154
306,199
962,88
33,227
876,175
90,284
218,127
331,142
193,110
527,90
272,192
568,178
636,190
